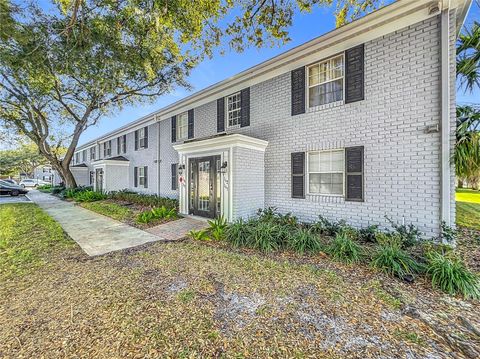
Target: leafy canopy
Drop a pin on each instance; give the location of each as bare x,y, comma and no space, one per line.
64,66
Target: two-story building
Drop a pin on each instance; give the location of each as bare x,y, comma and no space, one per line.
355,124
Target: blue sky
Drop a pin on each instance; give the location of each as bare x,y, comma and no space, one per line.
305,27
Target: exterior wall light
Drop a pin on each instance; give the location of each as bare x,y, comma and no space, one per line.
223,168
181,168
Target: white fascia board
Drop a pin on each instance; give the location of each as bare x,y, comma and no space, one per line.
133,126
222,142
110,162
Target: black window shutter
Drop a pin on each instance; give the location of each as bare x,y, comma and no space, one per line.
354,173
136,141
146,138
174,176
221,114
174,128
298,91
119,145
124,149
354,74
135,176
191,116
145,174
298,175
245,107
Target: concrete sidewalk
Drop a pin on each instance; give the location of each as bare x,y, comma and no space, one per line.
94,233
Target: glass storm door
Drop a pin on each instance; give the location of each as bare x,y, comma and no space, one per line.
99,179
203,186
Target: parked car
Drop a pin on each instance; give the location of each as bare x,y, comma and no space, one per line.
12,181
11,189
32,182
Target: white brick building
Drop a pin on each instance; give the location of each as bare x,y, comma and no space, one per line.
356,124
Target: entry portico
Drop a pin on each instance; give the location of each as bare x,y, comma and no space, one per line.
222,176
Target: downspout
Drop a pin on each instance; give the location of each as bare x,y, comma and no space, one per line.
445,110
158,157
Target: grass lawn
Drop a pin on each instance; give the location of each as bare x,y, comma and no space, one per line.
27,236
190,300
468,208
110,209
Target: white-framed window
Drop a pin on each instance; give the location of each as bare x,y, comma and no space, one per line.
325,81
77,158
142,137
84,156
122,144
92,153
107,149
326,172
233,109
182,126
141,176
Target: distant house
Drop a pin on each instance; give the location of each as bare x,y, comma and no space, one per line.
355,124
48,174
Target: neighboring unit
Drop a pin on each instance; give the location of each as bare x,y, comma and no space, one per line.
356,124
47,174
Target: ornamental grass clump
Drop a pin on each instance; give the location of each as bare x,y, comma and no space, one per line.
238,233
390,258
345,249
304,241
89,196
449,273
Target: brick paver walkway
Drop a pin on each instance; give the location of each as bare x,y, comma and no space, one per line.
178,229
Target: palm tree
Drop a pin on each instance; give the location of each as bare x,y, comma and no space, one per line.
468,57
467,148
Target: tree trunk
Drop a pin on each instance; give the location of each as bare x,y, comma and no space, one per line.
67,177
460,183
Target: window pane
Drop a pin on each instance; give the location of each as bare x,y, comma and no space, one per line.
313,162
325,165
314,183
337,161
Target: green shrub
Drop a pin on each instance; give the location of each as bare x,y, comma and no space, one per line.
409,234
72,192
449,273
145,217
270,214
164,213
144,199
89,196
156,213
327,228
57,189
304,241
390,258
200,235
345,249
217,228
238,233
367,234
266,236
44,187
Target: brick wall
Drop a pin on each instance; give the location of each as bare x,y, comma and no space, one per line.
402,162
248,182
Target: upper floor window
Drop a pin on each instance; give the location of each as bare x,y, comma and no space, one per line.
325,81
107,148
182,126
141,138
326,172
77,158
122,144
92,153
233,109
84,156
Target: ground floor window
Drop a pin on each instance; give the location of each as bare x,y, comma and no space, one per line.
326,172
140,176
